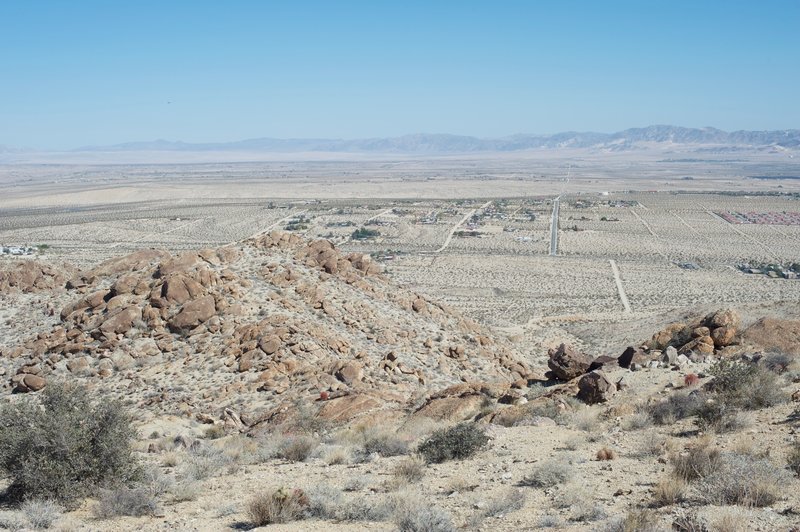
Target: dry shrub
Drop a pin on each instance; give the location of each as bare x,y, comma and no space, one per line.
637,421
385,442
412,513
669,491
548,474
606,454
281,506
296,448
634,521
133,502
744,480
409,470
41,513
698,462
793,458
688,521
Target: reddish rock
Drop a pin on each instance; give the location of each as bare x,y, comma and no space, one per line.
193,314
566,363
723,336
595,388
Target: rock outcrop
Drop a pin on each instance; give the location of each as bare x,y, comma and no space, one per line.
256,329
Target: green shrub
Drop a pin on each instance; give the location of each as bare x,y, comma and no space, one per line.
62,446
455,443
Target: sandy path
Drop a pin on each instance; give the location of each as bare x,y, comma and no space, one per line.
618,280
271,226
148,235
455,227
554,227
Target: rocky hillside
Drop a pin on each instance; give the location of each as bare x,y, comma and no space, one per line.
245,334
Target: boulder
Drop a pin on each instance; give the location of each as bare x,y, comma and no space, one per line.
594,387
723,336
633,355
193,314
566,363
350,373
723,318
670,355
122,321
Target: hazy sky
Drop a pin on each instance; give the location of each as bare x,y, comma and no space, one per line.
84,72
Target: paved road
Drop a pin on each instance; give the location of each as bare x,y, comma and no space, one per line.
554,227
455,227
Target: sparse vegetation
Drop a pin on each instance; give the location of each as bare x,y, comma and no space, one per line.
455,443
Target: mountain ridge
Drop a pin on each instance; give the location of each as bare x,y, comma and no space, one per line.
449,143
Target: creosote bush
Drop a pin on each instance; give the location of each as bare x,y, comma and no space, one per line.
60,445
455,443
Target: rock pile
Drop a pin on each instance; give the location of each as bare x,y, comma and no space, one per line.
252,331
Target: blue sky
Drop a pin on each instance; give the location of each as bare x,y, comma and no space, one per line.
74,73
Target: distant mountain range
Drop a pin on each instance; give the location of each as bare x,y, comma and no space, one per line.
629,139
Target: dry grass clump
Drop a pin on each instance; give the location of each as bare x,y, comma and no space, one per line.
634,521
606,454
385,442
455,443
281,506
507,501
296,448
134,502
699,461
548,474
583,419
653,444
412,513
409,470
637,421
670,490
326,502
732,520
